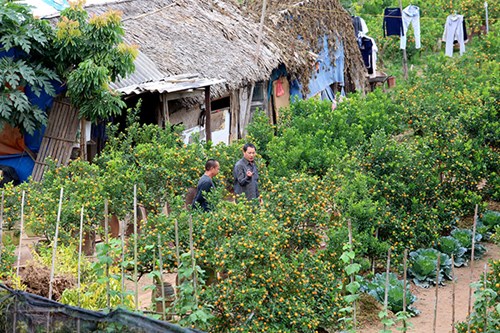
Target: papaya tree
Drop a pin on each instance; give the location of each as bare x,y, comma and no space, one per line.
84,53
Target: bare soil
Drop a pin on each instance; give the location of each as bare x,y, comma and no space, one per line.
424,322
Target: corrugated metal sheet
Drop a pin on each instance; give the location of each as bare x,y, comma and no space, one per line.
170,84
145,70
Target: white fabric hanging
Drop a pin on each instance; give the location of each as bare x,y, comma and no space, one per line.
453,30
411,15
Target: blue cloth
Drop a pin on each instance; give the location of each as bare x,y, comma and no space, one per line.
328,72
393,22
22,163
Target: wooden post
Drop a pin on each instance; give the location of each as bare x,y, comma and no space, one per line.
405,258
354,309
83,140
471,277
261,26
193,262
438,269
386,293
54,247
162,285
135,250
454,283
405,57
106,241
21,233
208,112
122,237
80,240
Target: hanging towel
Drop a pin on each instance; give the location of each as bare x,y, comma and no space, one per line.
393,23
453,30
411,15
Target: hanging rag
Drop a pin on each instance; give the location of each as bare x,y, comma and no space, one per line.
411,15
279,88
393,23
453,30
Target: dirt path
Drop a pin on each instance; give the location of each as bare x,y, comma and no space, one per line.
423,323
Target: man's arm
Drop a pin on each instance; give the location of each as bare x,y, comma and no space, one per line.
240,174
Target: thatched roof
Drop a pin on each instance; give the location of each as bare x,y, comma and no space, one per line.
311,19
208,37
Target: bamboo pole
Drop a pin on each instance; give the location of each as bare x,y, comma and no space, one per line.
20,234
471,276
54,247
261,26
177,254
454,283
122,237
484,287
106,242
354,306
135,250
1,224
405,258
80,241
486,17
193,262
405,57
438,269
162,285
386,293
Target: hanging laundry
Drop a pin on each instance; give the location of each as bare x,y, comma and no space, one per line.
360,27
411,15
393,23
453,30
369,53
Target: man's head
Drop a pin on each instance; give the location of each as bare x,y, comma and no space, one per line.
212,167
249,152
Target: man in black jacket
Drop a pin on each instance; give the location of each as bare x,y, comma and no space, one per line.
205,184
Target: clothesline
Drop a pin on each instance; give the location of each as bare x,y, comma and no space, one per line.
382,15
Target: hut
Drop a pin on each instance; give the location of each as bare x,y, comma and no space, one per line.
209,38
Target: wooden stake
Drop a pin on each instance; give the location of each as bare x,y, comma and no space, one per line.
54,247
386,293
80,241
454,283
405,257
485,286
20,234
261,26
106,242
352,278
405,57
193,262
177,252
471,277
122,237
162,285
135,250
438,269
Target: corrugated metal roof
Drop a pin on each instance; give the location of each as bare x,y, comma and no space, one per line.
145,70
170,84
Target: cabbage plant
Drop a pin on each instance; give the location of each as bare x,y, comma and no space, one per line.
464,236
376,288
452,247
423,267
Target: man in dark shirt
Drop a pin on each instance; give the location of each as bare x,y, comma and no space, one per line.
205,184
246,175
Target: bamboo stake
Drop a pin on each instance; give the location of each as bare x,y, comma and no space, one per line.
354,307
79,264
20,234
454,283
193,262
1,225
261,26
162,286
106,241
405,257
438,269
485,286
80,241
405,57
386,293
122,237
471,276
54,247
135,250
177,254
